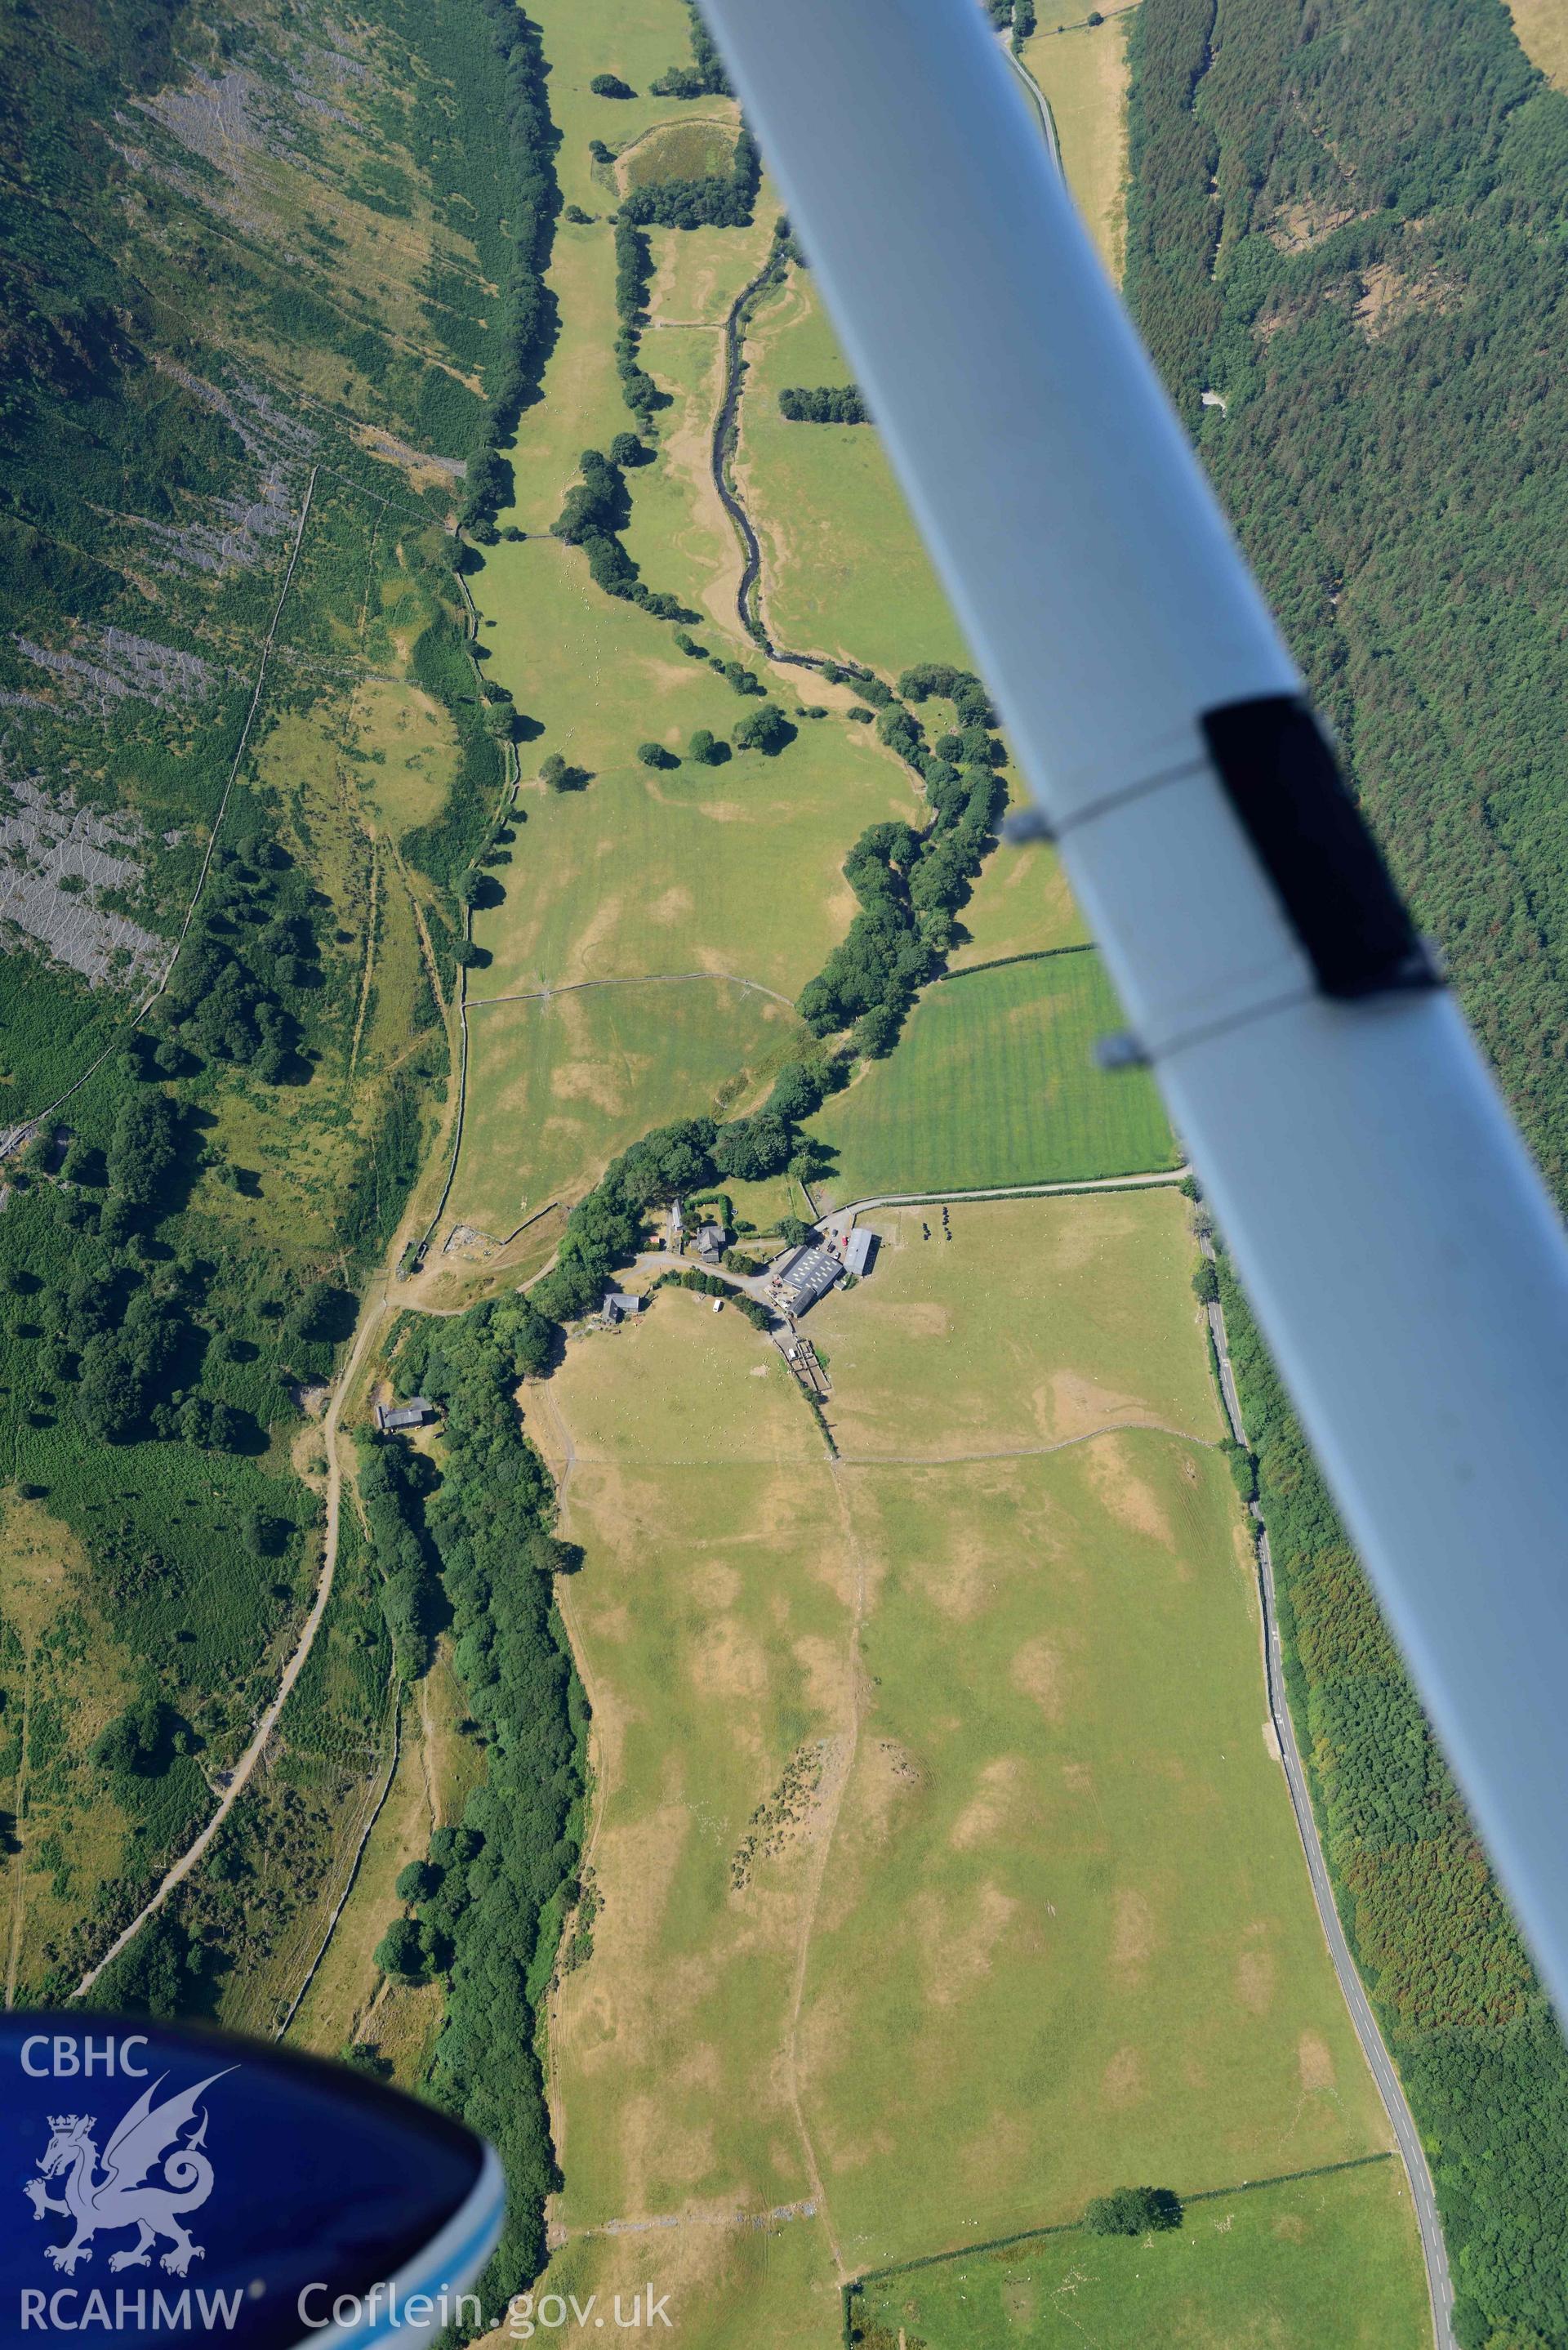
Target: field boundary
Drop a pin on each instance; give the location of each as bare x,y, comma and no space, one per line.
1076,2227
1002,962
1363,2016
1139,1180
635,978
349,1882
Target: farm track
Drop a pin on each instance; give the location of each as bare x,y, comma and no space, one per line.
1037,97
244,1770
369,970
844,1765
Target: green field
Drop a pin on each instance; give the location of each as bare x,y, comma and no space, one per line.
843,570
558,1084
697,147
638,44
697,272
1324,2263
710,1623
678,535
994,1082
736,868
1020,905
943,1875
579,404
1066,1937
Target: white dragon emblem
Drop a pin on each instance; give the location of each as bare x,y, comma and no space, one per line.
120,2197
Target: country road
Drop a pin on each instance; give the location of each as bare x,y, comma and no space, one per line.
246,1767
853,1208
1042,104
1434,2251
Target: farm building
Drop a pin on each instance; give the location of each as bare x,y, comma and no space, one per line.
618,1307
412,1414
803,1276
859,1251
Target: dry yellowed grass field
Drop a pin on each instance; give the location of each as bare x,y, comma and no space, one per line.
945,1875
1084,74
349,2000
1543,29
64,1677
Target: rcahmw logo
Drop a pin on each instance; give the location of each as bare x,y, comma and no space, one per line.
153,2172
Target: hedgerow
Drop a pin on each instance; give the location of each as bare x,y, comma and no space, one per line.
704,77
910,884
501,1886
532,202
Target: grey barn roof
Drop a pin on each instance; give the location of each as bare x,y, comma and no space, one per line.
412,1414
807,1275
858,1254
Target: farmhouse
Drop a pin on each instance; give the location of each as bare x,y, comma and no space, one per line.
710,1243
412,1414
808,1274
618,1307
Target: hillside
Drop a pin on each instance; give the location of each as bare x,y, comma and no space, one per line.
257,299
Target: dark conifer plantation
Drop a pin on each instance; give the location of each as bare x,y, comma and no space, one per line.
1352,225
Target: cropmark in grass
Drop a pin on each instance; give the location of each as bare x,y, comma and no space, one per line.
558,1084
1063,1938
735,867
1019,1324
